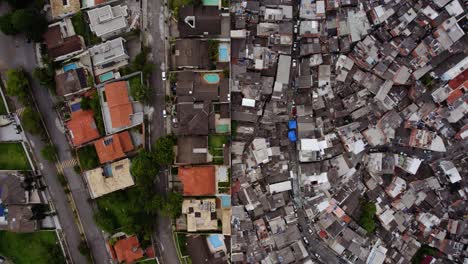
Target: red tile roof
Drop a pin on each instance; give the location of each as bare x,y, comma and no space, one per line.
459,80
113,147
454,95
120,107
198,180
128,250
82,127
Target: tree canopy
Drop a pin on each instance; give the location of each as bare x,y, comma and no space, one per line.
367,217
31,121
17,84
6,25
163,150
30,22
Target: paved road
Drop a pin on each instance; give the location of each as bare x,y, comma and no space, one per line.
16,52
163,233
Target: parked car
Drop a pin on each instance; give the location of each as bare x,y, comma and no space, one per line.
306,241
164,113
299,227
309,230
163,75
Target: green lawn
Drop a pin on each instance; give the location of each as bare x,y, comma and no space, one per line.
13,157
26,248
88,157
215,144
3,110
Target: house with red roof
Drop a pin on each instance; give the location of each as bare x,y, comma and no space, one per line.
199,180
82,127
127,250
113,147
119,110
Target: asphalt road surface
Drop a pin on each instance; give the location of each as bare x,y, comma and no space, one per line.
163,233
16,52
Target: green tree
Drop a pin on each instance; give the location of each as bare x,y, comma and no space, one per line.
45,77
49,152
144,168
163,150
139,91
30,22
6,25
17,84
85,103
172,205
21,3
367,217
31,121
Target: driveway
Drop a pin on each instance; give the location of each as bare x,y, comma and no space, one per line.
16,52
163,233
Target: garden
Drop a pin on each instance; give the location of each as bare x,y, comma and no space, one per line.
13,157
25,248
87,157
216,147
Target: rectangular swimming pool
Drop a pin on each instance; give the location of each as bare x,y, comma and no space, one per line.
211,2
223,52
70,67
106,76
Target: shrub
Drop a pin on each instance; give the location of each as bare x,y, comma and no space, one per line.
367,217
17,84
49,152
31,121
163,150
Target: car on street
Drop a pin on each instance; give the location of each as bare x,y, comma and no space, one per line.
163,75
299,227
306,241
294,63
309,230
164,113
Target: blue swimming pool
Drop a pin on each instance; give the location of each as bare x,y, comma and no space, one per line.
211,78
225,201
75,107
215,241
106,76
223,52
70,67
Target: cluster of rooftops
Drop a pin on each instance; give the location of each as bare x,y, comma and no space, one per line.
338,103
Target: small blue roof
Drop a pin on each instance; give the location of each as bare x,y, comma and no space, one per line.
292,124
292,136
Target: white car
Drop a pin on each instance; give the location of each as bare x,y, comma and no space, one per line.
164,113
294,63
163,74
306,241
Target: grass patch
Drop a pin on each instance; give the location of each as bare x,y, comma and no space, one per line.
3,110
81,28
182,243
25,248
13,157
88,157
215,144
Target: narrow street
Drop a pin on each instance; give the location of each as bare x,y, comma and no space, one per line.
158,30
16,52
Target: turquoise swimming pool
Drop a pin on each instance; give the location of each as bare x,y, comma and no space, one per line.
210,2
223,52
70,67
211,78
106,76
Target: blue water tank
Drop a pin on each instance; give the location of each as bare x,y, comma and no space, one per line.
292,124
292,135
